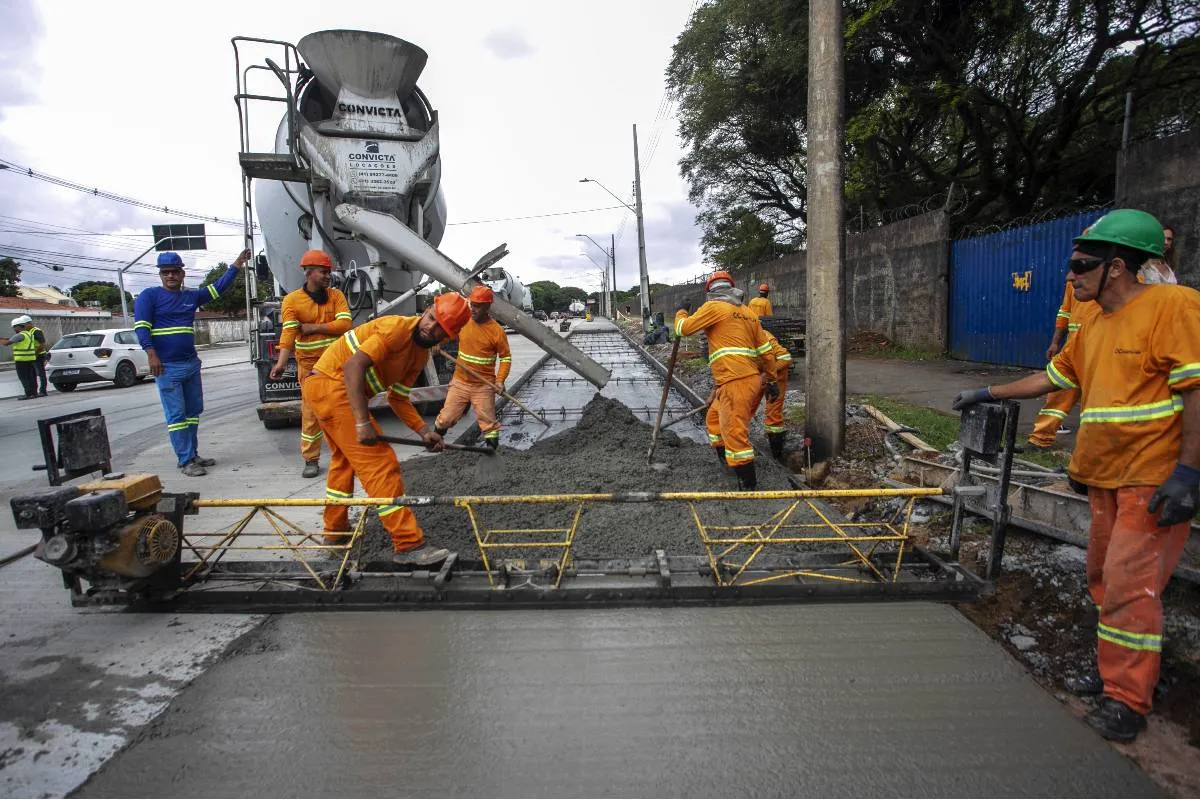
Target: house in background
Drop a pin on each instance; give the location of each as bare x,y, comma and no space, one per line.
45,294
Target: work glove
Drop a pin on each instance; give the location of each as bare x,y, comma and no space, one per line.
1177,497
970,397
685,304
772,391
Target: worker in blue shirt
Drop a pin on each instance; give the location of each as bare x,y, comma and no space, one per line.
164,318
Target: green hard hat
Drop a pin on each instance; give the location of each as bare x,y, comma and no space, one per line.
1129,227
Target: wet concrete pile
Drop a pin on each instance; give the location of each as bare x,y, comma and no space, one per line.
605,452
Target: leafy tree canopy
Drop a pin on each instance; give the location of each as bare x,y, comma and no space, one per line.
10,277
106,293
1016,104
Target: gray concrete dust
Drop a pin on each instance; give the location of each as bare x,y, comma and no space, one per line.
605,451
864,700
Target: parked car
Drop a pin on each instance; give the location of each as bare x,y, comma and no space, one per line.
541,315
106,355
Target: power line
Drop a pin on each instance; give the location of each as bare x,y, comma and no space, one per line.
532,216
28,172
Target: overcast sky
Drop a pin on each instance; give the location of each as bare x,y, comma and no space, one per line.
135,98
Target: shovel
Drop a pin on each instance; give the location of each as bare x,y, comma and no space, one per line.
663,403
486,469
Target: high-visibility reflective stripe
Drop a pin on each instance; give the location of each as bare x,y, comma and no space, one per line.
373,380
1073,326
1057,378
343,315
731,351
142,324
714,439
386,510
679,325
505,359
1140,413
784,357
212,290
171,331
313,437
492,435
487,362
739,453
1063,314
774,428
1183,372
401,389
764,348
291,324
177,426
337,495
1052,412
316,344
1129,639
352,341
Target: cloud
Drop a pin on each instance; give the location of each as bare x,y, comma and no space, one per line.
508,44
19,36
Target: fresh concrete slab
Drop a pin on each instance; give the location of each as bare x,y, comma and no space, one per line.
865,700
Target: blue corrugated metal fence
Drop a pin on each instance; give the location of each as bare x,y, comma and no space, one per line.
1005,289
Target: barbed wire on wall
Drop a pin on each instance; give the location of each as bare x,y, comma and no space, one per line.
1032,218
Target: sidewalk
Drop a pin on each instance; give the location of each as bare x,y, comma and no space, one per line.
215,355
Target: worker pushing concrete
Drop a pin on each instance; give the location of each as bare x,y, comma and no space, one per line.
773,411
164,318
743,369
314,316
384,355
484,362
1137,457
761,305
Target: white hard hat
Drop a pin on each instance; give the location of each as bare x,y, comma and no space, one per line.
24,319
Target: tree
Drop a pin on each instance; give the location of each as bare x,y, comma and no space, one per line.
233,300
10,277
549,296
106,293
1017,105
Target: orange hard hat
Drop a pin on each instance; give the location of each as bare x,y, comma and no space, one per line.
719,275
316,258
762,287
452,312
481,294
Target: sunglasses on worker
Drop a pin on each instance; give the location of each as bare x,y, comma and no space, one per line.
1081,265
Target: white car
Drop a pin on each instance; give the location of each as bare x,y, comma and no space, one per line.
107,355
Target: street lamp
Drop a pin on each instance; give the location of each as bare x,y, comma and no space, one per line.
644,279
612,259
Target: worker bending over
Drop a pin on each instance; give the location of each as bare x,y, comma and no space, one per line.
164,319
314,316
761,305
484,361
743,368
1137,367
384,355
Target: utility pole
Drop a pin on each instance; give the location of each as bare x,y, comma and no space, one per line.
612,258
641,228
825,384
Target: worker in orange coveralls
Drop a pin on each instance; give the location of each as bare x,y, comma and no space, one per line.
314,316
1137,366
773,412
761,305
386,354
482,346
743,368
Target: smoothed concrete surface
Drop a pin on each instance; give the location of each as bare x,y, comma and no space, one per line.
834,700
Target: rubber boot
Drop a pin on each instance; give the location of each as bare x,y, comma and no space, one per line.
776,440
747,477
720,451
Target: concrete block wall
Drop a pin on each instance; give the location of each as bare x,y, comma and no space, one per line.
897,282
1163,177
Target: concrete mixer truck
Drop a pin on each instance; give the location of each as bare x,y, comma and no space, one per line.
349,162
